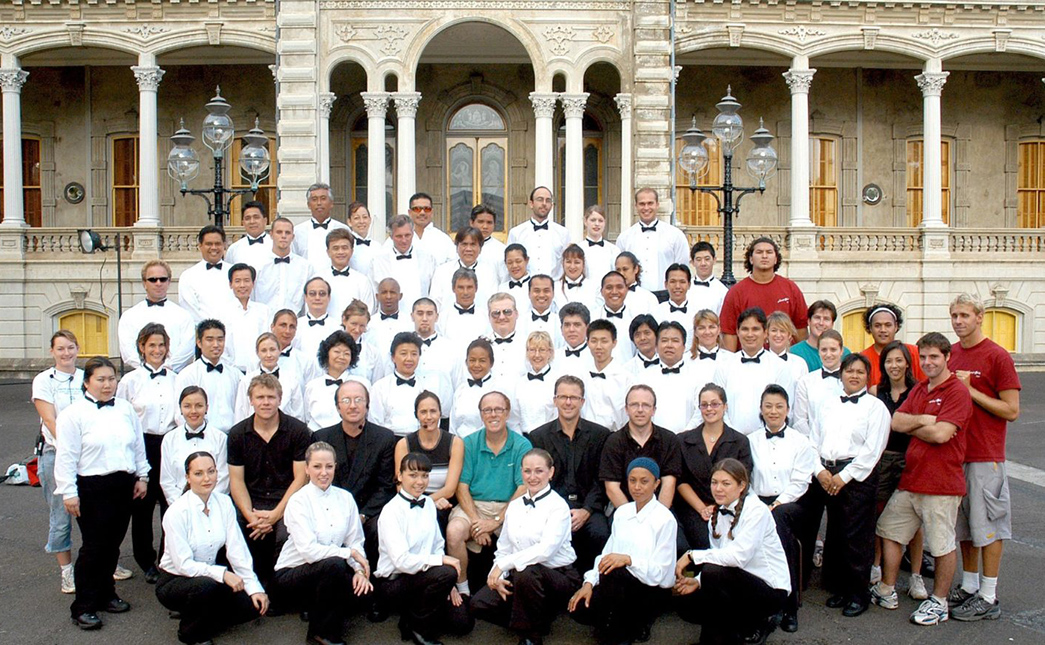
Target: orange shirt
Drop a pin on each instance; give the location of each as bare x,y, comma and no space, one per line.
876,372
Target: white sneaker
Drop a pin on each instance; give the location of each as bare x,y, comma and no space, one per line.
818,554
885,601
930,612
917,589
876,575
68,581
122,574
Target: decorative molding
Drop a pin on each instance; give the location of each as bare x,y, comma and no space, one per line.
326,104
406,104
801,32
345,32
870,36
148,77
623,102
8,32
376,104
603,33
543,104
393,36
573,104
935,36
736,34
596,5
560,36
12,80
1001,39
275,71
931,83
145,31
214,33
677,70
75,30
799,80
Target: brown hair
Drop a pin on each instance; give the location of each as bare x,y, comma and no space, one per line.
66,334
738,472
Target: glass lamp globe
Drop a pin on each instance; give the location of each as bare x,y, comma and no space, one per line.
218,129
762,160
254,159
693,158
728,126
183,164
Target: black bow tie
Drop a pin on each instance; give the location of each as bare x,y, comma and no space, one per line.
610,314
672,309
825,374
594,243
405,256
414,503
533,502
475,382
162,372
783,356
652,228
362,241
257,240
756,359
394,316
333,381
406,381
650,363
216,265
726,511
576,352
189,436
501,341
852,399
428,341
317,321
633,287
774,435
285,260
542,317
336,272
698,283
286,352
671,370
219,368
598,375
323,226
465,310
711,355
274,372
517,283
535,377
158,303
102,404
574,285
540,227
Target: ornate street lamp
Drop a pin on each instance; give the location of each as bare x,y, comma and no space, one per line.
183,164
90,242
761,164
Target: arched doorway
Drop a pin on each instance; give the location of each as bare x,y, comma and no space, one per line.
476,162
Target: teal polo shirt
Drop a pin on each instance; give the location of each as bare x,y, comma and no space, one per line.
810,355
490,477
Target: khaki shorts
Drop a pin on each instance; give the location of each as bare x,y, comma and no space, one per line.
486,510
907,512
985,514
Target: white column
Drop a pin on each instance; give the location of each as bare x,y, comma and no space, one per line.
148,76
931,83
11,80
326,104
798,78
573,105
406,145
544,166
624,105
376,104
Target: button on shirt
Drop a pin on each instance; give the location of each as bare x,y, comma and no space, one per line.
656,250
544,246
852,431
648,538
203,291
268,466
192,540
346,288
744,383
321,524
281,285
310,242
176,447
707,297
409,538
494,477
97,441
755,546
220,388
811,393
536,533
604,396
784,465
151,394
60,390
178,323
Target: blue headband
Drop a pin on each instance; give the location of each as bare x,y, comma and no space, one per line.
647,463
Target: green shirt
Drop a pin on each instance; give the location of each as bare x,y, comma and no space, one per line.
810,355
490,477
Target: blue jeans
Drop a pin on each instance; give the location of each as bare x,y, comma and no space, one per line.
59,535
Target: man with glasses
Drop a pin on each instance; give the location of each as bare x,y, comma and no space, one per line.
316,324
575,445
490,478
310,236
509,346
544,239
156,279
427,236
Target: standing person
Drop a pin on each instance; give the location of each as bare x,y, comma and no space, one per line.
643,334
601,254
192,436
636,569
823,383
100,469
638,297
543,239
707,291
283,274
517,264
705,353
266,453
465,416
468,245
310,236
209,371
55,389
534,403
542,317
150,391
574,319
987,370
255,247
461,323
676,307
156,308
338,353
492,254
780,332
702,448
315,325
742,580
266,348
244,319
411,267
765,289
657,244
674,412
321,568
413,570
392,397
532,576
345,285
575,285
608,380
203,288
822,315
427,236
210,597
884,321
364,250
444,452
937,414
437,352
510,348
614,292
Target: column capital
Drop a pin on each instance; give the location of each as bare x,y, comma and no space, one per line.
799,80
573,104
12,79
544,104
148,77
623,102
326,104
376,103
931,83
406,103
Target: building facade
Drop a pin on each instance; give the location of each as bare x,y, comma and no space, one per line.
910,135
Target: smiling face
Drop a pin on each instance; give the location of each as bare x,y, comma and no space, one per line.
320,204
752,335
536,473
355,325
613,292
707,333
883,328
830,354
254,221
516,264
779,339
774,411
678,286
503,317
646,205
542,290
339,357
212,344
819,322
194,409
428,413
157,281
340,253
414,482
645,340
421,212
212,248
704,264
965,321
464,292
601,344
242,284
896,365
359,221
405,358
202,476
320,468
539,354
712,409
154,350
478,362
933,361
627,268
573,267
352,403
285,328
568,401
64,352
494,409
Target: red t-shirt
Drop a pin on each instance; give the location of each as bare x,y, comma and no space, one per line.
876,371
779,294
992,371
936,468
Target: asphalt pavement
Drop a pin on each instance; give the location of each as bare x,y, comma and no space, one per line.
33,611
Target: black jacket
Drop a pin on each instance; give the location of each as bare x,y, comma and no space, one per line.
370,475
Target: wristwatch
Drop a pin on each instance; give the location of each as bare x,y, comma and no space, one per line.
144,480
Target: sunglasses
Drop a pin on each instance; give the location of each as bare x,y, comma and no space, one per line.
154,280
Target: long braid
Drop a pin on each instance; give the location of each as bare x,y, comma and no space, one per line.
714,523
736,514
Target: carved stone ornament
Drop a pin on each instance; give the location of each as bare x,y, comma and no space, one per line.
13,79
146,31
931,83
736,34
603,33
8,32
870,36
1001,39
148,77
573,104
406,103
326,103
393,37
623,105
214,33
376,103
799,80
560,36
75,30
935,36
345,32
543,104
801,32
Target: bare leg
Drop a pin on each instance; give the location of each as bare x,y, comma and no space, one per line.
892,553
916,548
945,568
991,558
970,557
457,532
64,558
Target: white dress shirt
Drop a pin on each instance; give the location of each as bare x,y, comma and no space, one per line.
438,355
293,400
575,361
707,294
220,388
656,248
604,397
535,533
811,393
247,250
281,285
681,313
584,291
638,364
533,401
755,546
320,407
436,244
409,540
176,321
648,538
744,383
192,540
857,431
202,292
676,395
599,259
641,300
310,241
151,394
531,321
544,246
492,256
442,286
784,464
346,288
518,289
60,390
309,335
363,252
242,328
307,365
413,273
702,368
625,349
796,364
464,414
176,448
392,399
461,328
321,524
97,441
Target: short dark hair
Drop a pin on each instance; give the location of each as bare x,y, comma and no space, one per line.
207,230
515,246
773,388
468,232
405,338
94,364
190,390
539,276
339,337
254,204
479,210
534,191
668,325
418,461
483,344
610,274
417,196
339,234
752,312
639,321
678,266
575,309
243,266
937,340
323,280
701,246
427,394
860,358
208,324
751,251
602,325
825,305
880,307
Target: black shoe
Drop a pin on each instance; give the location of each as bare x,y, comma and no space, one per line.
928,566
417,639
789,622
303,616
855,607
836,601
643,633
379,614
88,621
152,575
757,637
117,606
319,640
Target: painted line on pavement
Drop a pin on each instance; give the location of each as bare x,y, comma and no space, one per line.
1027,474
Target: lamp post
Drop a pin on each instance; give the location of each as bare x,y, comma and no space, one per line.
91,242
183,164
761,163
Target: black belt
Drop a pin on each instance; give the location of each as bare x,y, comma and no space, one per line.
836,463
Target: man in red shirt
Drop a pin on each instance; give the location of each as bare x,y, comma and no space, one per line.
936,414
763,289
883,321
984,517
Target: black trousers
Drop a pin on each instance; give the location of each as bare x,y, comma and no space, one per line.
790,521
849,542
693,529
265,550
621,606
423,602
370,541
323,589
539,593
143,509
207,607
105,512
589,540
729,603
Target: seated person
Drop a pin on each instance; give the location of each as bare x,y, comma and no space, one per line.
193,436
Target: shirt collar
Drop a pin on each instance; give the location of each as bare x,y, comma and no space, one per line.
540,493
316,491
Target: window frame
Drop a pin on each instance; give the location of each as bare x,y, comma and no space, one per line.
824,218
236,180
914,195
694,208
117,219
1036,219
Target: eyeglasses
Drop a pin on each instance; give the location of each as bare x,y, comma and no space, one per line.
639,405
489,411
714,405
568,398
359,400
501,313
316,294
538,350
156,279
421,209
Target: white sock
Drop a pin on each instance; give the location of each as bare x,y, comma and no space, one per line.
67,567
942,601
970,581
876,571
988,588
463,589
885,589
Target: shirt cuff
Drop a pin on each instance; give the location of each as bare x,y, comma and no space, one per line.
217,573
505,564
435,560
845,475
